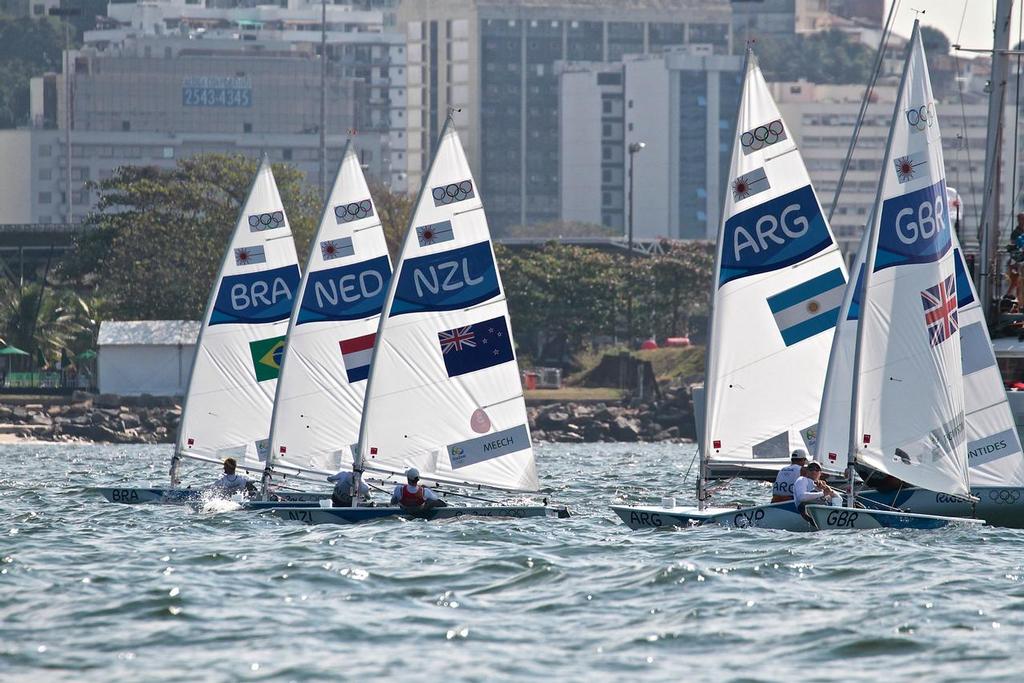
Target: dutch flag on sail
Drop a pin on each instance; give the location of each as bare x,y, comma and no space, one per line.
809,308
357,353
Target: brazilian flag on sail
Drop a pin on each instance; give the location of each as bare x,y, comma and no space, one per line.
266,357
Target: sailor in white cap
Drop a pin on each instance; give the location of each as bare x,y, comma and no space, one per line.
413,497
782,490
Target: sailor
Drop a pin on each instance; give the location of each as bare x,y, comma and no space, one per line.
231,483
344,482
414,498
782,490
810,490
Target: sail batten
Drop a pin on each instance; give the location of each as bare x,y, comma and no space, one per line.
231,389
331,332
444,393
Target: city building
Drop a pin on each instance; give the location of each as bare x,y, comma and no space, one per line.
165,80
493,63
681,104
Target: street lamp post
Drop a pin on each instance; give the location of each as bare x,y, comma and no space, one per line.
634,147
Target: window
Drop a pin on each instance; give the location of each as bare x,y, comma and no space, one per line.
126,125
286,154
45,198
606,107
45,174
168,153
246,127
45,151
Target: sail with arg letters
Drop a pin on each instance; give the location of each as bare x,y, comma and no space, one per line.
779,280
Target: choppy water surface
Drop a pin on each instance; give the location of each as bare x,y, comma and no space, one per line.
96,591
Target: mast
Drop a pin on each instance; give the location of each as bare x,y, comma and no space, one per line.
869,265
988,276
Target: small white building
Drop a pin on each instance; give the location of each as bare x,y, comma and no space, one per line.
146,356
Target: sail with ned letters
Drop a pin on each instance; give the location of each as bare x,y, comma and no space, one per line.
331,332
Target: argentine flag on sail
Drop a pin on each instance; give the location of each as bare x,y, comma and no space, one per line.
808,308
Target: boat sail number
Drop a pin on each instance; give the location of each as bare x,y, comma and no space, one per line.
914,228
446,281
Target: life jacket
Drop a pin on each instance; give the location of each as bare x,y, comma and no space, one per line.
410,498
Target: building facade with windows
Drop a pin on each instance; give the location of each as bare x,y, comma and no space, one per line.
495,65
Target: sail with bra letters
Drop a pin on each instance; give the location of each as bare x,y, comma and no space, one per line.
231,389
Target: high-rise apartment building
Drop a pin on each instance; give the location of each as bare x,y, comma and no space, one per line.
496,62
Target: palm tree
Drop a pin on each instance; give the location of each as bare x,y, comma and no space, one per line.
48,320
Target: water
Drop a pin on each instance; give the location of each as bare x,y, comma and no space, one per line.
96,591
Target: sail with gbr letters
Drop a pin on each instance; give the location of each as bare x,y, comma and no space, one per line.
331,332
444,393
907,410
231,389
779,281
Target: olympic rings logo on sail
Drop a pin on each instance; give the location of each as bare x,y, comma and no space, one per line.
762,136
353,211
1004,496
453,192
921,117
266,221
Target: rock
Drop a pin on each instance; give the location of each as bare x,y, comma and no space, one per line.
624,429
54,410
552,420
19,414
40,419
129,420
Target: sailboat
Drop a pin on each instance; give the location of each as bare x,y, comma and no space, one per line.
444,393
778,282
231,389
331,336
904,377
994,454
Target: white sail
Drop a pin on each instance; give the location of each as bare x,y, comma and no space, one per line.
994,453
444,393
908,416
234,377
779,282
833,445
331,332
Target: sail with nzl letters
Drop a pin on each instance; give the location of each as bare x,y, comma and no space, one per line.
779,281
231,389
907,418
444,392
331,332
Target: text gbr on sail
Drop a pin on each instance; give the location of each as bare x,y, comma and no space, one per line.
914,228
446,281
773,235
260,297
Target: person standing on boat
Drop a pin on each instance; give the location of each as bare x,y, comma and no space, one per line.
810,490
231,483
414,498
344,486
782,490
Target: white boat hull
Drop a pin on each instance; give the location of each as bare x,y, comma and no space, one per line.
997,505
137,496
826,517
782,516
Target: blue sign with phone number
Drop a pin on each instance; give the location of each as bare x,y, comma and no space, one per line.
216,97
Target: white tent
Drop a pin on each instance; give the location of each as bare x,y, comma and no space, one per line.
146,356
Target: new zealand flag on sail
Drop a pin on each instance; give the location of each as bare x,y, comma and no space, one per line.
263,297
447,281
475,347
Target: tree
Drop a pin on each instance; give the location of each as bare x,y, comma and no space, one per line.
28,48
395,211
46,319
561,229
157,236
935,42
826,57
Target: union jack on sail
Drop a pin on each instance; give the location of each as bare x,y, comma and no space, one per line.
940,310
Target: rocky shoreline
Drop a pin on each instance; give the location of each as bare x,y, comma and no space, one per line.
113,419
